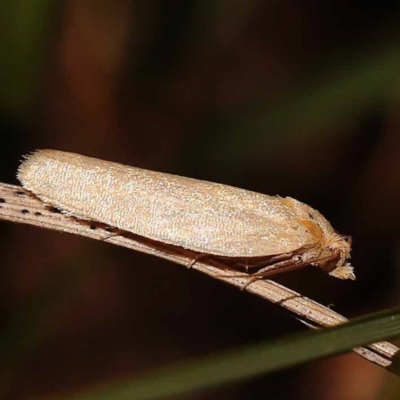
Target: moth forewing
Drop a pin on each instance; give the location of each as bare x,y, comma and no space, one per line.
205,217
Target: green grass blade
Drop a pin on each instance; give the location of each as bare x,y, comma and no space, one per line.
256,360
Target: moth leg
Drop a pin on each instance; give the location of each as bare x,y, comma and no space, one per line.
110,236
113,232
264,262
197,258
246,266
283,266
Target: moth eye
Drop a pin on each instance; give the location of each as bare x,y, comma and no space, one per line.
347,239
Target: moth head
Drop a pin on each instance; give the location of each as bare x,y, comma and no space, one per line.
335,256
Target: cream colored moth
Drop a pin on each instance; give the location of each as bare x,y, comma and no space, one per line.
249,229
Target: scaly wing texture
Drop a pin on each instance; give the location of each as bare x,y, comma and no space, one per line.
197,215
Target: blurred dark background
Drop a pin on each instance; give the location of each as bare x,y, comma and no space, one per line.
296,98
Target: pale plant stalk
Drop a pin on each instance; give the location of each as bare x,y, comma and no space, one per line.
18,205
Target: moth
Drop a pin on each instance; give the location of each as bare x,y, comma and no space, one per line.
270,233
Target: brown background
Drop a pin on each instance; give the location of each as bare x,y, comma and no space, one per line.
295,98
